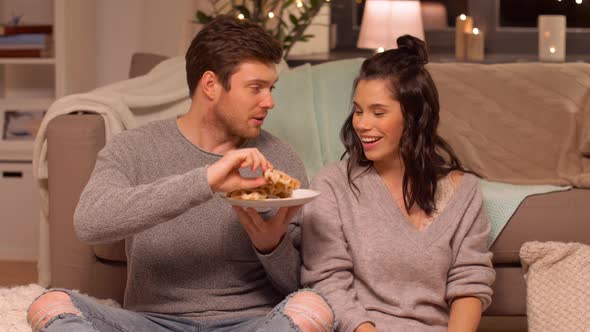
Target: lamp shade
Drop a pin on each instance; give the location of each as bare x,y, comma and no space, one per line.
386,20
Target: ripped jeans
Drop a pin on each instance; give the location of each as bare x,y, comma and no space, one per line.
98,317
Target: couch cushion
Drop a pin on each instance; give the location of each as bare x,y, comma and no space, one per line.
518,123
509,293
559,216
314,100
142,63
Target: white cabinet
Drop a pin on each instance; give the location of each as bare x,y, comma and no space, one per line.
19,216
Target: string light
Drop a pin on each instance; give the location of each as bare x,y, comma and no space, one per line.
241,16
271,14
299,4
552,49
579,2
462,17
380,50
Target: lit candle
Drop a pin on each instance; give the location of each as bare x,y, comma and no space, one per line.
463,24
475,45
552,38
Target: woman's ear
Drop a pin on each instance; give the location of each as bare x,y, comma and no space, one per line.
210,85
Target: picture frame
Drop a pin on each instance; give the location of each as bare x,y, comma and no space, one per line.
19,123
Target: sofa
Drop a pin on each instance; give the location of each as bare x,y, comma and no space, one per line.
522,123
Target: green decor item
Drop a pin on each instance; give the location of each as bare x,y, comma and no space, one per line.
285,20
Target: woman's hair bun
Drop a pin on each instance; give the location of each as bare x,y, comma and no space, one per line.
413,46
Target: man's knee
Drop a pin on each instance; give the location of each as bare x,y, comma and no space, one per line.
310,312
48,306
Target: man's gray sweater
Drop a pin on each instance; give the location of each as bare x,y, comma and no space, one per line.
187,253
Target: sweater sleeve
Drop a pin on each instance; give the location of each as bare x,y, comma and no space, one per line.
472,273
283,265
327,265
112,206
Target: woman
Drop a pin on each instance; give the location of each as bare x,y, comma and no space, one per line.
397,239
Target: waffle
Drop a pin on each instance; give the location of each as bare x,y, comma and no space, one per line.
278,184
248,194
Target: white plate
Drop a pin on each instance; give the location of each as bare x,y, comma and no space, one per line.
299,197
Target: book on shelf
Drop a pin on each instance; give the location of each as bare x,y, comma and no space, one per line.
24,53
25,39
23,47
26,45
7,30
26,42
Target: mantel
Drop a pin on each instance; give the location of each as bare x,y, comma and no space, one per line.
318,58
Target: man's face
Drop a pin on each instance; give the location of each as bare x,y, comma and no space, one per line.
242,109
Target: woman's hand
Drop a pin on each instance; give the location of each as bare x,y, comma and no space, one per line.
266,234
224,175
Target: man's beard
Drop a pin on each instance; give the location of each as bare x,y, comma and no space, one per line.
234,129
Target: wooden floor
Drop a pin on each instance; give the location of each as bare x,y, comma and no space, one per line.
17,273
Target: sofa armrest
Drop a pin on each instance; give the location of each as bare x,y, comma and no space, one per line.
73,142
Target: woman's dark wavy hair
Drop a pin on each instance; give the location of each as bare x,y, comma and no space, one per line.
425,155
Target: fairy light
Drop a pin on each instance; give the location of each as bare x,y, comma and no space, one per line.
380,50
462,17
271,14
241,16
299,4
475,31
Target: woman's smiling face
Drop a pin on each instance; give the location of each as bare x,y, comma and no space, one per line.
377,120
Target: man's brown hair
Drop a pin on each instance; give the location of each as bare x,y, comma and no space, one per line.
223,44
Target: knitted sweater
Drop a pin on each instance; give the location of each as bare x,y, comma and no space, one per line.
373,265
187,253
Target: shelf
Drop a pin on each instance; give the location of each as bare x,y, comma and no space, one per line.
318,58
27,61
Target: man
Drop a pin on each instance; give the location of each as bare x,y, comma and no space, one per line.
194,263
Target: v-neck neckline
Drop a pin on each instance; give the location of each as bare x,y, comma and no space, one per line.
423,238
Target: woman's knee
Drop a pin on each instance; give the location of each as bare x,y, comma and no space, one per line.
310,312
48,306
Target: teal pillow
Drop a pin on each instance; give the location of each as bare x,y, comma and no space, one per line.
311,104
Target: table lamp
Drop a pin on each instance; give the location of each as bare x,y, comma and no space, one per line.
386,20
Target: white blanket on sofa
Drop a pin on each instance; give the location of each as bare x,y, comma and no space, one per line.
162,93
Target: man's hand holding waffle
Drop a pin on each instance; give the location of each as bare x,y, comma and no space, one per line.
224,176
278,184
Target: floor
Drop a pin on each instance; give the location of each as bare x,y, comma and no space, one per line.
24,273
14,273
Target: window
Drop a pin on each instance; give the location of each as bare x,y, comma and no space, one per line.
524,13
